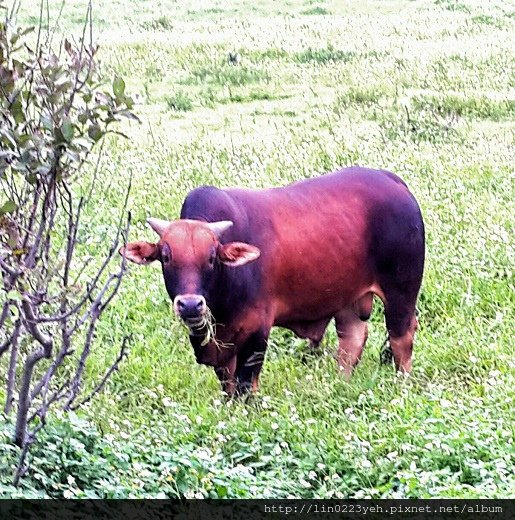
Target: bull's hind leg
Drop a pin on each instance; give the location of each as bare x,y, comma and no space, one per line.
314,331
401,323
399,252
352,331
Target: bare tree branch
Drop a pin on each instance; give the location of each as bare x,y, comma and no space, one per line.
52,113
9,269
98,388
31,324
12,337
11,374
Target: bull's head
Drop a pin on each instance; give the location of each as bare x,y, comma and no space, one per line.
190,254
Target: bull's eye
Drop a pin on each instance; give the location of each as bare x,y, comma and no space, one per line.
212,259
165,254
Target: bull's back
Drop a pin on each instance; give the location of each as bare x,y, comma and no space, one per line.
323,240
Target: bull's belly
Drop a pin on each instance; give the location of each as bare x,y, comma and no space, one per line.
317,303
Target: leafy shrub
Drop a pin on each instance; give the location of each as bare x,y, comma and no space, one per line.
54,108
73,460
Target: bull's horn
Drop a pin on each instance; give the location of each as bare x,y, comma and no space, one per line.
219,227
158,225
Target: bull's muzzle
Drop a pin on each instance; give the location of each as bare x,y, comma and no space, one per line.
190,307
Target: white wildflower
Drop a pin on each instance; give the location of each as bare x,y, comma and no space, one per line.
304,483
167,402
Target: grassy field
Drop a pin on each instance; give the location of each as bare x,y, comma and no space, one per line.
423,88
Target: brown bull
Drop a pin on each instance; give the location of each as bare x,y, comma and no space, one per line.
240,261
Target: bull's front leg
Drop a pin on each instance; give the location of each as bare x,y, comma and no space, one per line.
250,358
221,358
226,373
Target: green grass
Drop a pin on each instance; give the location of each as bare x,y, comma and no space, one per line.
317,10
179,102
424,89
323,55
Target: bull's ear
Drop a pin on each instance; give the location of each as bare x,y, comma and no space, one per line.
237,253
141,253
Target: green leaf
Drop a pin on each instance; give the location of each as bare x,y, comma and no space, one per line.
8,207
95,132
118,87
83,117
67,130
68,46
47,122
13,295
17,111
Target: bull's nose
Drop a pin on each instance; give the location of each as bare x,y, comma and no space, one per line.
189,305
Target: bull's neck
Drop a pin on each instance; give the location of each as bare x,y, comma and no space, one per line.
233,291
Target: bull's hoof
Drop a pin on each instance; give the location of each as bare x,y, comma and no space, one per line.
243,390
386,354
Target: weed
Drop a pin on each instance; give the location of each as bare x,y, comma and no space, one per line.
453,5
227,75
324,55
179,102
317,10
162,23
